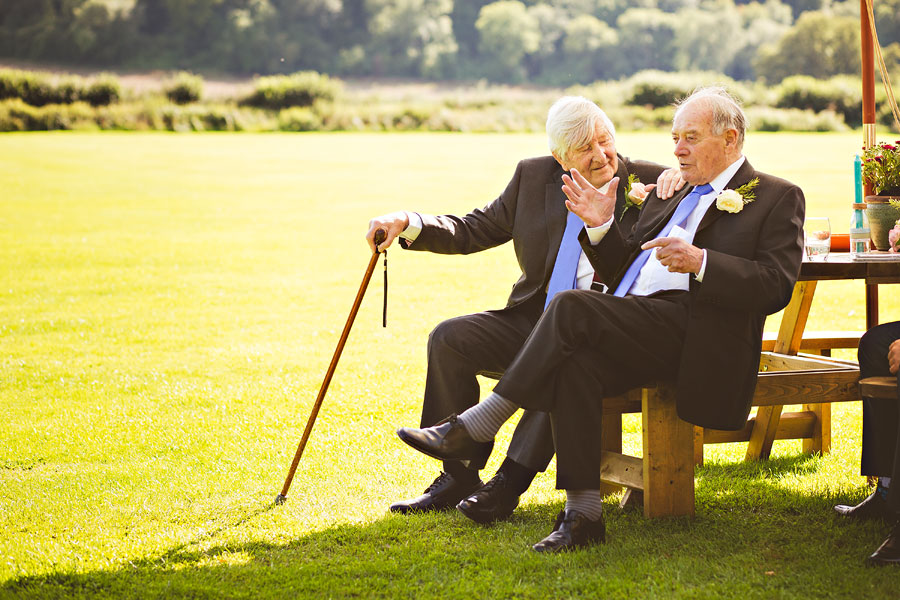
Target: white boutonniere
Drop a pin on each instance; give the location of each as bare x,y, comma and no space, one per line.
733,201
635,194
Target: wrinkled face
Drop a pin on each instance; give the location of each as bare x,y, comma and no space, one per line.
596,160
701,154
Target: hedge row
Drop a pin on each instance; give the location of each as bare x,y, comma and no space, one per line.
651,89
15,115
40,89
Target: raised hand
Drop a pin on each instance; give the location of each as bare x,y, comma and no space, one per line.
593,206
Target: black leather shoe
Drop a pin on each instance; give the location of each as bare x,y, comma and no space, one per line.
448,440
873,507
445,492
572,530
888,552
493,502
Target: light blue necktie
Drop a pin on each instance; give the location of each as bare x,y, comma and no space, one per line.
685,208
563,275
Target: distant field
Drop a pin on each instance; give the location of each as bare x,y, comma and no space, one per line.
169,304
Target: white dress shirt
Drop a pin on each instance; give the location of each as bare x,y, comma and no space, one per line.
655,277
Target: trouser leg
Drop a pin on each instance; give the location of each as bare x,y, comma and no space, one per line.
532,442
459,349
881,418
585,346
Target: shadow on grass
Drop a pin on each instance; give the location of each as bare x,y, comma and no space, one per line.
754,535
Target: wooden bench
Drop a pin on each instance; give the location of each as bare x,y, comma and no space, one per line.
878,387
671,447
818,342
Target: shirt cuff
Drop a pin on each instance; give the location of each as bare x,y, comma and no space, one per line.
595,234
414,228
699,275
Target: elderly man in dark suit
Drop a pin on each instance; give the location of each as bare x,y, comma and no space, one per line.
693,283
879,355
531,212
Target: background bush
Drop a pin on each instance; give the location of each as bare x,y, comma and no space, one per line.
39,89
841,94
763,118
103,91
300,89
184,88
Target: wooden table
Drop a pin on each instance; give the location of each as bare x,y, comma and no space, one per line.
785,364
665,472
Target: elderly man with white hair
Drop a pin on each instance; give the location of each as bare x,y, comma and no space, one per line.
691,285
531,212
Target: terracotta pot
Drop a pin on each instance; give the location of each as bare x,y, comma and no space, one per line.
882,217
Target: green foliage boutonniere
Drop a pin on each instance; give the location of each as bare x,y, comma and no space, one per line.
733,201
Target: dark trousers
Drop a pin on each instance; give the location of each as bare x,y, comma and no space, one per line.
881,418
484,344
585,346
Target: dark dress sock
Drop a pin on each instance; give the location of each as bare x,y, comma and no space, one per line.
455,469
518,476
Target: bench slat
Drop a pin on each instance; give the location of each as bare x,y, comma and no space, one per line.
879,387
818,340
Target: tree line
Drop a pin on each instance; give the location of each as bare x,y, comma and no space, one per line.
544,42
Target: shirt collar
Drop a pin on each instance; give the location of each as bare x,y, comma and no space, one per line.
721,180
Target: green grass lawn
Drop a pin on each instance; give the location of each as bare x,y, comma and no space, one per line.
169,305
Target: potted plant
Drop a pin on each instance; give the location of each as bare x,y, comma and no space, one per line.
881,169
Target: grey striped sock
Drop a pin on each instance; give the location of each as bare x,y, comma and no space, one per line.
587,502
484,420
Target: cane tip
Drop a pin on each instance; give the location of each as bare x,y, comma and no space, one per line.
280,499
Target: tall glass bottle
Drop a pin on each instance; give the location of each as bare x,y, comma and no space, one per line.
860,234
859,222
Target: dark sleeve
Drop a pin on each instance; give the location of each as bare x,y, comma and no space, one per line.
763,283
479,230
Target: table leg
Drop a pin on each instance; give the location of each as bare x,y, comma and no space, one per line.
668,456
871,305
790,334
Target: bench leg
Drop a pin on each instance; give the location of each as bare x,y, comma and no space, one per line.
611,441
821,440
668,456
698,446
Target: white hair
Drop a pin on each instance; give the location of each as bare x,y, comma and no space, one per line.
726,110
572,122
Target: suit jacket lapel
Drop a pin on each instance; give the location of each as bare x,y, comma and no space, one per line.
744,174
622,174
555,213
668,208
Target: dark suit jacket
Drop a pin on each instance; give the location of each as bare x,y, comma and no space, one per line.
531,212
753,260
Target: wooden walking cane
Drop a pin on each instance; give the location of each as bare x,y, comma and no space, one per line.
379,237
